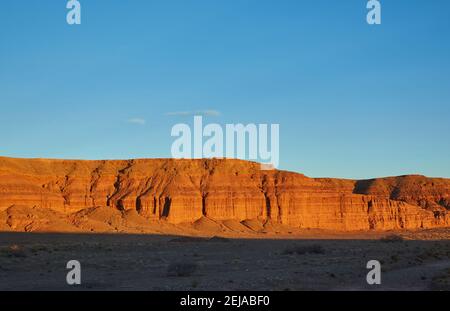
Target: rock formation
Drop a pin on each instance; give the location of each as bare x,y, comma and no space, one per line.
184,191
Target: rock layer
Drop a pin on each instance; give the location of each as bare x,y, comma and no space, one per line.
184,191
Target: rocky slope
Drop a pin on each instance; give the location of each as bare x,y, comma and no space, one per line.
41,194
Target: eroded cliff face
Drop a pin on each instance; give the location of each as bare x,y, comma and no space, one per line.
183,191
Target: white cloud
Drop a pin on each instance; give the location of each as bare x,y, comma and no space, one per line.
138,121
179,113
209,113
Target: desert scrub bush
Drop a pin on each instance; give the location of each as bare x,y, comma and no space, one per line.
195,284
304,249
13,251
181,269
39,248
392,238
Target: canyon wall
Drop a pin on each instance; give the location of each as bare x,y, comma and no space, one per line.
182,191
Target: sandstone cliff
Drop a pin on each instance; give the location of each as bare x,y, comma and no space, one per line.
222,191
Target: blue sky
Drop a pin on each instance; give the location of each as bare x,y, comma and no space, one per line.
352,100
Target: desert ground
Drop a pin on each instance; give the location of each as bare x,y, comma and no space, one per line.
307,260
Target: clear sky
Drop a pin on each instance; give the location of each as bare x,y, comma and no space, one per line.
352,100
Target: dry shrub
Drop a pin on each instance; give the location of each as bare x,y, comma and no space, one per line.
181,269
304,249
392,238
13,251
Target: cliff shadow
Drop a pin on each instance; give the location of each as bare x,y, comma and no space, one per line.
37,261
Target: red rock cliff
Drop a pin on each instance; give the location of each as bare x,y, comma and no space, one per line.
180,191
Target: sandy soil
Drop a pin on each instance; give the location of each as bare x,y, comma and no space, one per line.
310,260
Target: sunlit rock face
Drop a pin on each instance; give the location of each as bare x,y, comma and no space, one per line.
180,191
